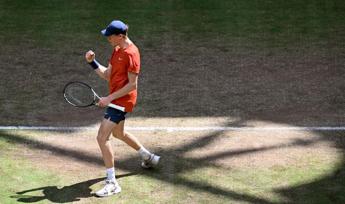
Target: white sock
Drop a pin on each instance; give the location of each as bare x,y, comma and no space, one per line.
144,153
111,174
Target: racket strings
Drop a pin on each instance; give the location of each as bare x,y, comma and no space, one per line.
79,94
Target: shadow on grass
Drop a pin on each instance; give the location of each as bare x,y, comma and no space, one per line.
328,189
65,194
287,68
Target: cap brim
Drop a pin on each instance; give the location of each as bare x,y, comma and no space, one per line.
104,32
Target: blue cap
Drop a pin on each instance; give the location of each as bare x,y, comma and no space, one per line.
115,27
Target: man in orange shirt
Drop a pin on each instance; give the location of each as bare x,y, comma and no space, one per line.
122,76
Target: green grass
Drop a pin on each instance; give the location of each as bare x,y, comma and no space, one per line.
262,23
45,41
18,174
312,180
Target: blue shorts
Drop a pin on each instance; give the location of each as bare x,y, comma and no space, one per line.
114,115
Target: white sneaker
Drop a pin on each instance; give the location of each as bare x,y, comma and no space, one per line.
151,162
110,188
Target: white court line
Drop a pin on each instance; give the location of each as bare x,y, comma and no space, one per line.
184,129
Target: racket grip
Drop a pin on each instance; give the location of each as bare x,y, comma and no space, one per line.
117,107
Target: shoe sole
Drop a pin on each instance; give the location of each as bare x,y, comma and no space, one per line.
153,163
118,190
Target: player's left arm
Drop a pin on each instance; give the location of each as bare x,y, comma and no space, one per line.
130,86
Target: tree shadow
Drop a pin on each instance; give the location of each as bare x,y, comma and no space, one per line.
288,72
66,194
174,163
328,189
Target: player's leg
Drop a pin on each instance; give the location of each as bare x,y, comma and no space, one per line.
104,143
111,186
148,159
129,139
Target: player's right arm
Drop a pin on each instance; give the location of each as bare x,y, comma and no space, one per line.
102,71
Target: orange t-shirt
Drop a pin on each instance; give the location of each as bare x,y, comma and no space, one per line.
124,61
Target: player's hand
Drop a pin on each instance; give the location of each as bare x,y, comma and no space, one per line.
90,56
104,101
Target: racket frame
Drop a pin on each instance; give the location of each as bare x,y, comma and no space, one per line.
94,100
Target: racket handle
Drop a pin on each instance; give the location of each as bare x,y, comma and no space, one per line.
117,107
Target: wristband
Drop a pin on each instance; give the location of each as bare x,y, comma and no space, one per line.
94,64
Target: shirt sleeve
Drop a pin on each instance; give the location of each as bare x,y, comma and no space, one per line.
134,64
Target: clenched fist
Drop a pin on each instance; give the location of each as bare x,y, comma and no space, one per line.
90,56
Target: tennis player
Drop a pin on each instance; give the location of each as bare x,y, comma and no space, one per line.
122,76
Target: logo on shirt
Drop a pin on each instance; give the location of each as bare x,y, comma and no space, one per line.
120,59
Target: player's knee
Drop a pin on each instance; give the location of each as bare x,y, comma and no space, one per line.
102,138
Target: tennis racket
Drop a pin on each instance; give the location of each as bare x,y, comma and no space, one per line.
80,94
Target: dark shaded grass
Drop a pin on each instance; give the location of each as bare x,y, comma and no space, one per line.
279,61
286,21
327,189
247,59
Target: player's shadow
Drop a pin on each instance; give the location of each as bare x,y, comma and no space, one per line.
65,194
176,162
